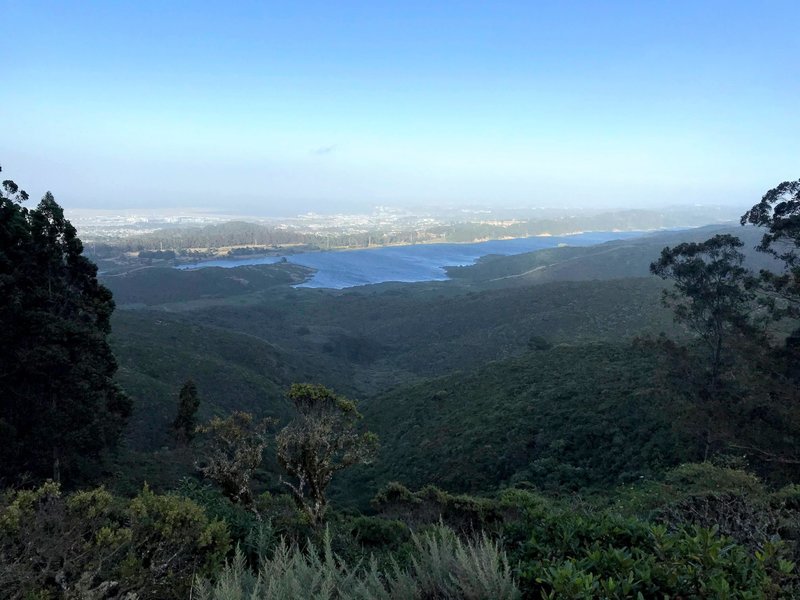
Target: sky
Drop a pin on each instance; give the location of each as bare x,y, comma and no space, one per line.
279,108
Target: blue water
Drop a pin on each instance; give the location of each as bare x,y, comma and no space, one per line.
422,262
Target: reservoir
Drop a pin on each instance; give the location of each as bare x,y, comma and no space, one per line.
422,262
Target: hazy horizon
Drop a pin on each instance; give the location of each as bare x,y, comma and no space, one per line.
281,110
467,210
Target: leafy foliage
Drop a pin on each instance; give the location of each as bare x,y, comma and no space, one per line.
584,556
710,295
319,442
716,297
91,545
779,213
713,297
234,450
554,551
430,505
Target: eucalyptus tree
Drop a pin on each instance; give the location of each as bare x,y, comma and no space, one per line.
779,213
713,297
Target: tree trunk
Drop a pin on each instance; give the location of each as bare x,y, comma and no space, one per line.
56,466
56,457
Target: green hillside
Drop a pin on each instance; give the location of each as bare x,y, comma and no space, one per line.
569,417
611,260
157,355
364,342
162,285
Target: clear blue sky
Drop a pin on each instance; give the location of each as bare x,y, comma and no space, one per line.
293,106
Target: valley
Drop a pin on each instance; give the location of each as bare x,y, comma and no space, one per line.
244,344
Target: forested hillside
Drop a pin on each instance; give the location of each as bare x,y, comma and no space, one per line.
615,421
566,418
612,260
364,342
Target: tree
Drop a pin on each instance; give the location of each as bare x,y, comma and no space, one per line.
711,295
233,452
14,248
319,442
185,423
713,298
779,213
59,405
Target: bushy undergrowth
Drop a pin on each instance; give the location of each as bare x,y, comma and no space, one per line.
733,500
520,544
441,566
653,541
587,556
91,545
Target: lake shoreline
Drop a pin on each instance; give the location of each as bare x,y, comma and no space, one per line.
407,263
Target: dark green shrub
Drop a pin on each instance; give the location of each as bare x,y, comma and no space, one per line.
373,533
240,520
92,545
430,505
733,501
573,555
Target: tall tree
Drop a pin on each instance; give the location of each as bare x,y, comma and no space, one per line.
319,442
778,213
186,420
59,405
14,251
711,294
713,298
